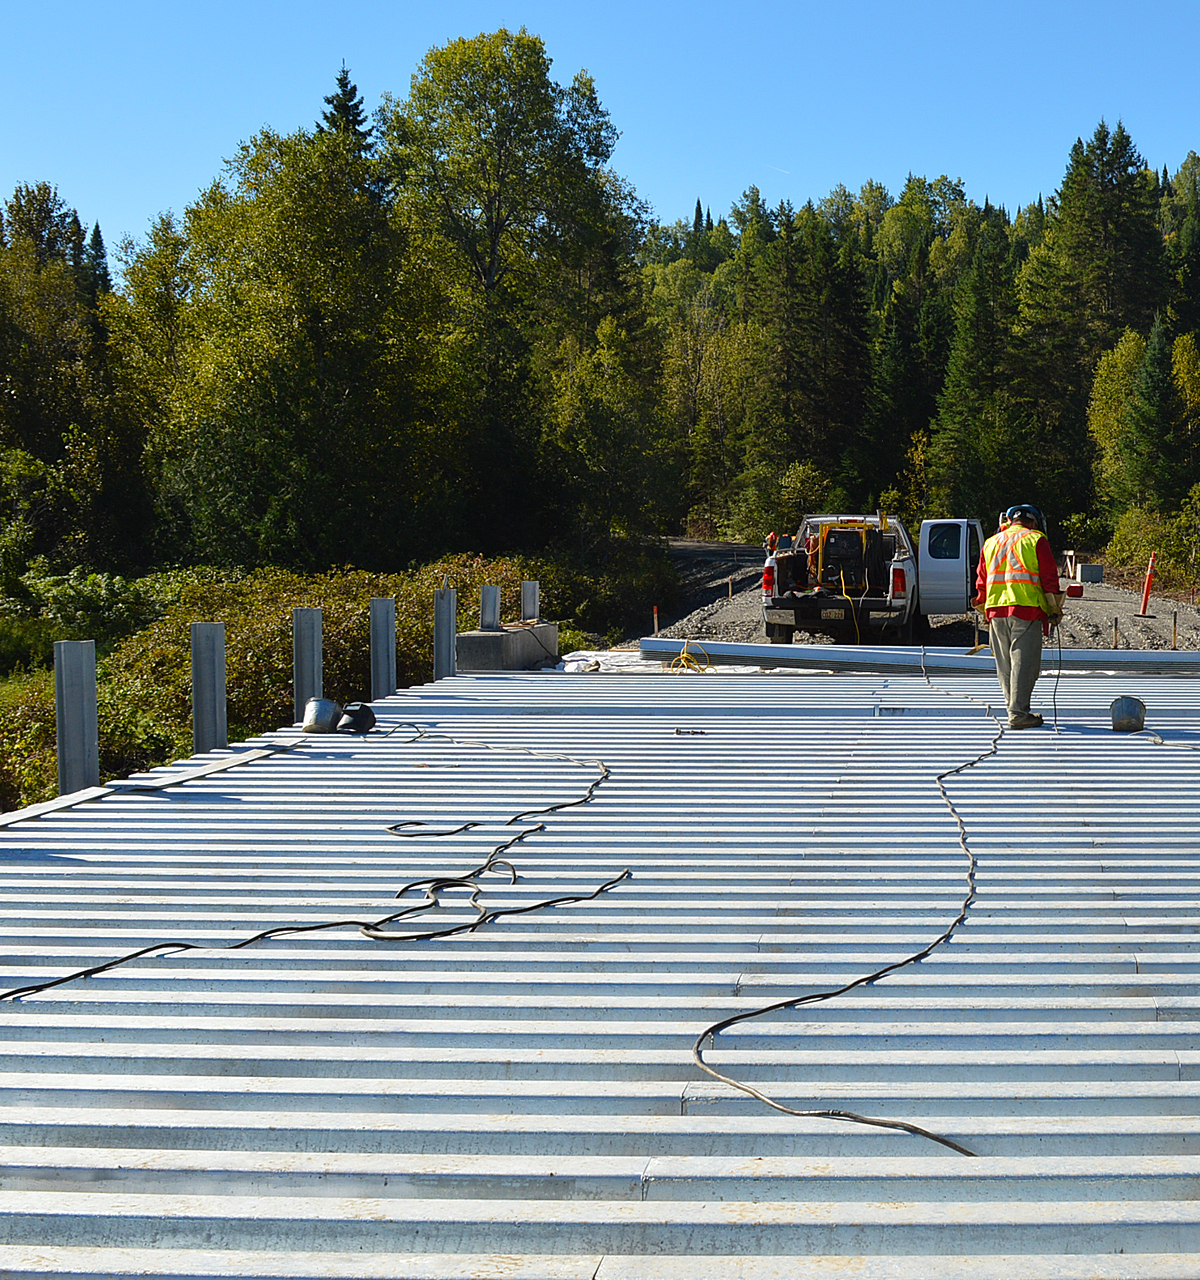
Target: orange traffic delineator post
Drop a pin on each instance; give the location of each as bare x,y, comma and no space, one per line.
656,619
1146,589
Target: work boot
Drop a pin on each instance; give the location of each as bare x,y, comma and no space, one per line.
1026,722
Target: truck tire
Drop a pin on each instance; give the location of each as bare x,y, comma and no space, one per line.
779,633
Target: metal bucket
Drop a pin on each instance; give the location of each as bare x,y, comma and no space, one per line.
1128,715
320,715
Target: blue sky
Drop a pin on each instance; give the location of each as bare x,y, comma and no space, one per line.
131,110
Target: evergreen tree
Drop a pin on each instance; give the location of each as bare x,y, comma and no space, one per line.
346,114
698,220
76,248
1098,269
1158,456
96,261
755,231
780,312
968,467
1181,229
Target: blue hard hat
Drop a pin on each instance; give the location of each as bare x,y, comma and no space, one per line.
1027,511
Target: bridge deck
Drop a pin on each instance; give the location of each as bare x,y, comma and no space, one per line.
520,1100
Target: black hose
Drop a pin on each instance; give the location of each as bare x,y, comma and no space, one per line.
711,1032
433,885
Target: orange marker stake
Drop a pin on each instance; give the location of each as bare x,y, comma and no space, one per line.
1149,580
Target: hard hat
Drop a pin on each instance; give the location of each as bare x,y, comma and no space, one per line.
1027,513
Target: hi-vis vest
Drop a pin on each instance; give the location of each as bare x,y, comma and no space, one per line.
1010,558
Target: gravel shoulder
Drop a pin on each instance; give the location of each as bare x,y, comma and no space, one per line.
720,590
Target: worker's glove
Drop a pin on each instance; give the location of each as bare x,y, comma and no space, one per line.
1054,607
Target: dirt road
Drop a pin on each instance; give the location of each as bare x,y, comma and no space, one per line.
710,571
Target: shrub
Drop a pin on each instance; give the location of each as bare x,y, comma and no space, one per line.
26,643
1175,539
144,682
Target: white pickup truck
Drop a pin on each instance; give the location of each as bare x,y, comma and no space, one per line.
861,580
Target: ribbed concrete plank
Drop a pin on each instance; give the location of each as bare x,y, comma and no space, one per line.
819,1227
195,1264
771,1134
924,1267
87,1263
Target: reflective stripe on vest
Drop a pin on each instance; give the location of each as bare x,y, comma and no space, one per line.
1013,578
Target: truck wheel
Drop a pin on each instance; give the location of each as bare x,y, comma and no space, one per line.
779,633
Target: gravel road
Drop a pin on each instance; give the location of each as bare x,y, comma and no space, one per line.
720,586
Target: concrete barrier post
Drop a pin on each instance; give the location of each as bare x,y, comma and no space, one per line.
307,675
383,647
445,632
77,726
531,602
210,730
489,608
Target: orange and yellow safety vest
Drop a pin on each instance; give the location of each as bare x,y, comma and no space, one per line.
1013,578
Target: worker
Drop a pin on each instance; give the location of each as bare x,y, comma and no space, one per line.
1017,587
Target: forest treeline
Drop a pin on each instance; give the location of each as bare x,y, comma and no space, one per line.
451,325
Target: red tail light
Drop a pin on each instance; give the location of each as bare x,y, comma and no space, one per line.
899,582
768,580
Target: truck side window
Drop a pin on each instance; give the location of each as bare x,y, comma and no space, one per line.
945,542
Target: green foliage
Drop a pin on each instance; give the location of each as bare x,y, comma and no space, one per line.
608,439
1098,269
28,760
456,329
778,499
279,441
1174,537
1112,389
26,643
1084,532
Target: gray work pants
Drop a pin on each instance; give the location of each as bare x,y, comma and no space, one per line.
1017,647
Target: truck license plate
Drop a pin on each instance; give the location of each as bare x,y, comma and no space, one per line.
828,614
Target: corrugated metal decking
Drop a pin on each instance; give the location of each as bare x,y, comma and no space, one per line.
520,1102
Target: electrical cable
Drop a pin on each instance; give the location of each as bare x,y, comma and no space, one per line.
850,602
683,661
715,1029
433,885
531,628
